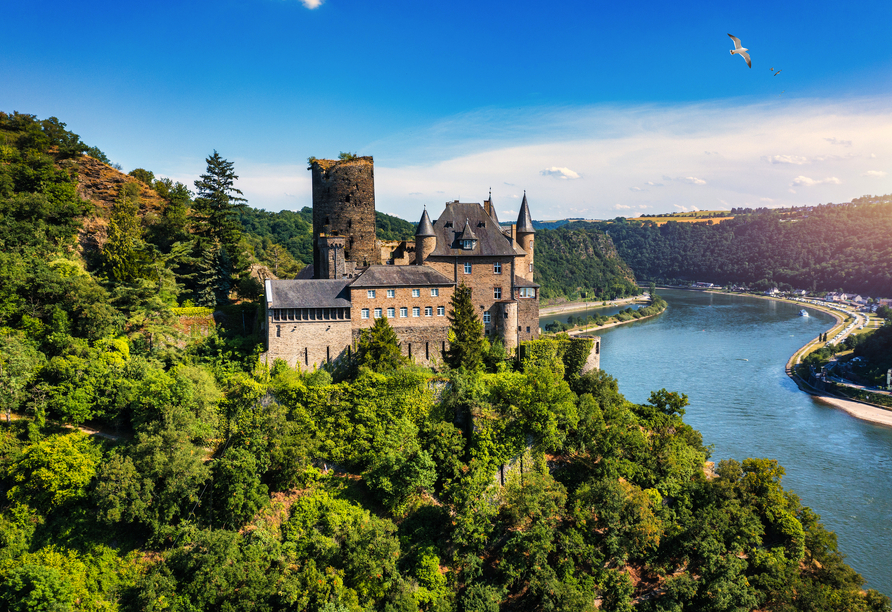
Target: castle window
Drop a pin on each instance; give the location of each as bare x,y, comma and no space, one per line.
377,313
391,293
391,313
487,318
416,311
416,292
435,292
447,224
370,293
441,311
497,293
278,331
519,328
497,268
365,313
467,267
528,329
467,245
531,267
527,292
428,311
404,312
597,348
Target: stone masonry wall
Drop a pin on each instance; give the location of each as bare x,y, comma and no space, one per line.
402,298
344,201
423,344
308,343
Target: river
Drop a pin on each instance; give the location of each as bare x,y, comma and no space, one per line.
728,353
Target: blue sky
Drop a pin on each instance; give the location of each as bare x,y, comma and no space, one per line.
596,109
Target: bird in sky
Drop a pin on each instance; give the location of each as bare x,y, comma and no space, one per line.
778,72
740,50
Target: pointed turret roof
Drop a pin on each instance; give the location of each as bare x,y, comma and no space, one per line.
524,220
467,233
425,227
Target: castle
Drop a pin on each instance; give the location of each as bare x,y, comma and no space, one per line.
354,279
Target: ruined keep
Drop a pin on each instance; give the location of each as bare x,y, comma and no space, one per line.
344,205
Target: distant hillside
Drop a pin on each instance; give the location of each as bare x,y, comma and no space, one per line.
578,261
825,248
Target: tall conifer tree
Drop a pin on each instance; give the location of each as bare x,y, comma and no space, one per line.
465,332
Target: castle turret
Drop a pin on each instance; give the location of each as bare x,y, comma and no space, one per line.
330,263
525,231
344,205
425,239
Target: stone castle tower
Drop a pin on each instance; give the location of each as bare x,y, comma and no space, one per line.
344,205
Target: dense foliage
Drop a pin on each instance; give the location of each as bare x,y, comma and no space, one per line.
220,482
575,262
826,248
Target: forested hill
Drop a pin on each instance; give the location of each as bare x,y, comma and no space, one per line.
825,248
576,261
210,484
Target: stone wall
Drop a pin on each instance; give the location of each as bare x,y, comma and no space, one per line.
528,318
402,298
344,204
423,344
594,357
308,343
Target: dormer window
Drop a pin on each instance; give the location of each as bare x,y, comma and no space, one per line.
467,245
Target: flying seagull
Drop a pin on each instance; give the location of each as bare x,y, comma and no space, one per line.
778,72
741,51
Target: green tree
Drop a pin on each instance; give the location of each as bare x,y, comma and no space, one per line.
123,249
54,471
216,205
143,175
378,348
465,332
19,362
34,588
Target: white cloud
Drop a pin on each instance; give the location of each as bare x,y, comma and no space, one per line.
693,180
681,208
508,212
614,146
561,173
635,189
804,181
723,203
311,4
875,173
643,206
785,159
621,207
415,193
873,156
769,200
834,141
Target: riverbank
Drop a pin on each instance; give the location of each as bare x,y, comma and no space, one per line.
589,304
872,413
592,328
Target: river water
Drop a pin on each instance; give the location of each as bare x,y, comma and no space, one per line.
728,353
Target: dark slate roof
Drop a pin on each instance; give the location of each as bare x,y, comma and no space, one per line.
490,239
425,227
305,273
401,276
524,220
318,293
522,282
467,233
